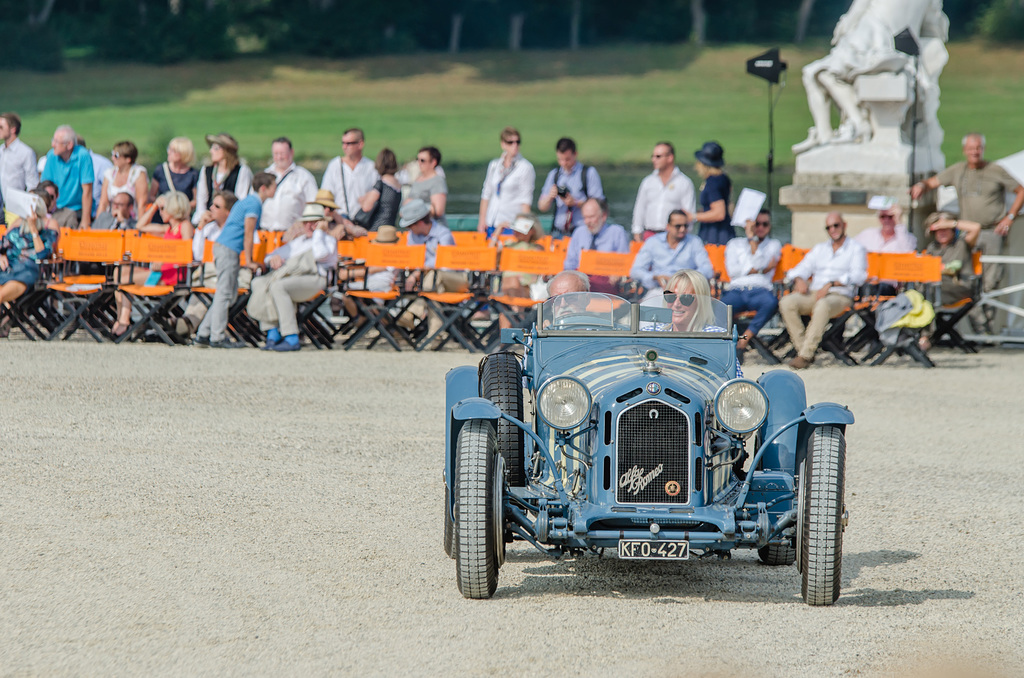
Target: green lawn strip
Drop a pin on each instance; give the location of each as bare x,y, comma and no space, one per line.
616,102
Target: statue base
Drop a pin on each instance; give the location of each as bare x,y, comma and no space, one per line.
814,194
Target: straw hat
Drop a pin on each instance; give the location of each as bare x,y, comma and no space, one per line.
386,235
325,198
224,140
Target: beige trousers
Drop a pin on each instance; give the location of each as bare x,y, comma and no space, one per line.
287,293
794,305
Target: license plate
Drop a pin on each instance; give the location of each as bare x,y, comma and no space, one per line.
646,549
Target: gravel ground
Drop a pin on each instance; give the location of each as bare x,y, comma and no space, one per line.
173,511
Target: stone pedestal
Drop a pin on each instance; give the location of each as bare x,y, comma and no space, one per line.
843,177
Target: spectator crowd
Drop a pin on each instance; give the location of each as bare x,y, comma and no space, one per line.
675,227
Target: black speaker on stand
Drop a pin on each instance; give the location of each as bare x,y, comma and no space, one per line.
770,67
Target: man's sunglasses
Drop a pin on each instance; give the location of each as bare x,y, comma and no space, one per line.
762,223
684,299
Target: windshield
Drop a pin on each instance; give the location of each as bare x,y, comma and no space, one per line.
587,311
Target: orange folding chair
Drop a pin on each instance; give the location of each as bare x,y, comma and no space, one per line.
155,304
518,311
380,310
87,300
456,309
908,271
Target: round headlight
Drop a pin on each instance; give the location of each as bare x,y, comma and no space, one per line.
741,406
564,402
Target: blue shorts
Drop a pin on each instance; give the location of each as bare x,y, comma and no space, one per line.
26,272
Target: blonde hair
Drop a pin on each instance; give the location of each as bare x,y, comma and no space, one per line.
705,314
176,204
706,171
184,148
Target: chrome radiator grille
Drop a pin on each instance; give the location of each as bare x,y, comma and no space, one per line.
653,455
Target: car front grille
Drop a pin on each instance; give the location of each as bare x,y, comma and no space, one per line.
653,452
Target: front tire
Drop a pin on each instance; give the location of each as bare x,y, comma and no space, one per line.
822,488
479,544
501,382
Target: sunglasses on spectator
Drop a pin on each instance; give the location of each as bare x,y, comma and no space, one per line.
829,227
684,299
762,223
512,142
886,216
215,147
349,143
115,154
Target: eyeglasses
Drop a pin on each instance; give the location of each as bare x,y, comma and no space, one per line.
682,225
829,227
762,223
115,154
887,217
513,142
349,143
684,299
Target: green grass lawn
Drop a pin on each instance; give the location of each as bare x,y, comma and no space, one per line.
616,102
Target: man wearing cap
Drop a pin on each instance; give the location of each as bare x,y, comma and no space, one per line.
298,273
597,235
750,262
349,176
664,254
296,186
824,284
568,186
508,186
664,190
415,215
17,160
234,239
224,173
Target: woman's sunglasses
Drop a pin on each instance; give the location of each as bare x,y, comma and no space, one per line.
684,299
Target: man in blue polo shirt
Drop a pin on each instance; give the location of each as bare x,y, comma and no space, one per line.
69,166
234,239
666,253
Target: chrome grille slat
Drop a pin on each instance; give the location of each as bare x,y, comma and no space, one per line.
650,434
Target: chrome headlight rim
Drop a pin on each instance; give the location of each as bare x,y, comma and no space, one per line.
723,391
585,411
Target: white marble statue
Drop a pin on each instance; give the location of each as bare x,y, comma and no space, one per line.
863,45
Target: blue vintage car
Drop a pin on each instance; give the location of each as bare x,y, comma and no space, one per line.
615,430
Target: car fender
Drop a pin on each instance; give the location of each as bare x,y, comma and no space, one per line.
459,384
787,400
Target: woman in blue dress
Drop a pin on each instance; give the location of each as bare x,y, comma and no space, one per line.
715,227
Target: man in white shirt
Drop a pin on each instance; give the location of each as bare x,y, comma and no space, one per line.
349,176
295,187
890,235
17,160
664,190
750,262
508,186
835,269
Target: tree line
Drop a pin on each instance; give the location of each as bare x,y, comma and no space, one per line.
41,34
